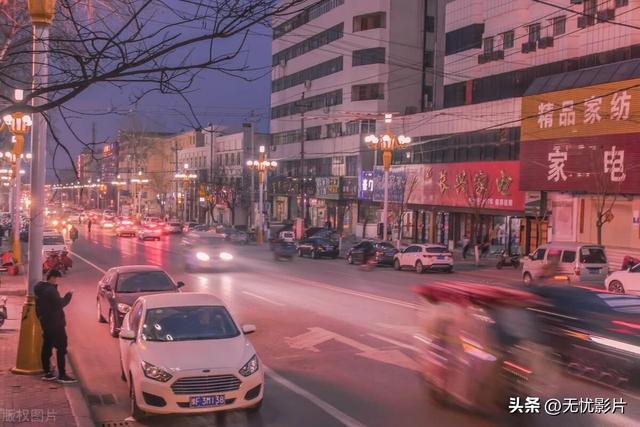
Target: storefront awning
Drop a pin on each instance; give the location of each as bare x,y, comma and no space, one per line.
613,72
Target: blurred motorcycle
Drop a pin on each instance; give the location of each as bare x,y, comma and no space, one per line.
504,260
57,261
478,346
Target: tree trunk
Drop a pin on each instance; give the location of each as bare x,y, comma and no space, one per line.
599,225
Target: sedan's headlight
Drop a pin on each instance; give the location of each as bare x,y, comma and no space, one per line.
123,308
202,256
251,367
155,373
226,256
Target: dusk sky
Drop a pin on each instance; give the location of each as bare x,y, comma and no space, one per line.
216,98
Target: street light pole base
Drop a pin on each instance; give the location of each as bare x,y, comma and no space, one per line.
28,361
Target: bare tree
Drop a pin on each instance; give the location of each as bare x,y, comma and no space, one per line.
159,46
477,189
232,192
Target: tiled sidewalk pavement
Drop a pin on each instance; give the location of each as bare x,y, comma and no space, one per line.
27,400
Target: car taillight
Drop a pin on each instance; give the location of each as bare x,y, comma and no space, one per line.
625,327
517,369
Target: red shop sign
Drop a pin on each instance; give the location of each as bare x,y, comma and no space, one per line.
490,185
587,164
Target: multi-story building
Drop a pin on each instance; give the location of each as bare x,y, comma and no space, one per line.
539,102
88,165
337,65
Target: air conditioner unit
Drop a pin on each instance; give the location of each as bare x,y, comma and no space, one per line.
576,2
497,55
545,42
483,58
585,21
528,47
622,3
606,15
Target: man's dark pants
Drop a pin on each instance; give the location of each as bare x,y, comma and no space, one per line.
54,338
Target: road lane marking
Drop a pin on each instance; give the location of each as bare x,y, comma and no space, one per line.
394,342
316,336
326,407
102,270
347,291
262,298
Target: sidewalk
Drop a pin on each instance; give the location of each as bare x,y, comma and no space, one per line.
26,400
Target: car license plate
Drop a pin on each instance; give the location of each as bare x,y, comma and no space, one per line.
594,270
207,401
440,257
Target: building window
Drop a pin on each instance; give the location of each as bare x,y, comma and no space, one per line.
430,24
367,92
508,39
312,103
427,98
352,128
313,133
334,130
488,45
305,16
534,32
428,58
559,25
465,38
312,73
314,42
368,56
368,126
369,21
351,166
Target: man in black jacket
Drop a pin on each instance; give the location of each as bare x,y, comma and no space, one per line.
50,311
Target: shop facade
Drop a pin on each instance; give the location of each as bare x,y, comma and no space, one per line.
334,205
582,150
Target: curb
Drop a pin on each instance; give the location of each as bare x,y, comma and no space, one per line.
13,292
76,397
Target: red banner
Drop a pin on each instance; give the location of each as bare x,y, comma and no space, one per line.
587,164
485,185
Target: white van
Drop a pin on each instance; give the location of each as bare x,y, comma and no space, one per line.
573,263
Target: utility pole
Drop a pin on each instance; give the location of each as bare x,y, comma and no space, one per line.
175,194
303,203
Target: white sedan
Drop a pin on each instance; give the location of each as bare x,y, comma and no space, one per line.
184,353
624,281
424,257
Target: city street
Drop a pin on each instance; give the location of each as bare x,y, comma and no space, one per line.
336,340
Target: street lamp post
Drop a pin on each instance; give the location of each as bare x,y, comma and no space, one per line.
118,184
139,180
18,125
262,166
185,177
386,143
30,342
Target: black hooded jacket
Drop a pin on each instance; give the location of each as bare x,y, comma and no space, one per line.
50,306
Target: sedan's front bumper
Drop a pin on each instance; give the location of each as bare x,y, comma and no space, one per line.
156,397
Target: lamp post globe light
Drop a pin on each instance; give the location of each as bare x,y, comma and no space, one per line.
185,176
386,143
262,166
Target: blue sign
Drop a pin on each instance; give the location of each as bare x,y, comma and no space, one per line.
371,186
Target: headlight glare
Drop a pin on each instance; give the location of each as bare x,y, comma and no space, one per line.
250,367
155,373
226,256
202,256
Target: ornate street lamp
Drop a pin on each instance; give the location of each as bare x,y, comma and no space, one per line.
386,143
262,166
185,176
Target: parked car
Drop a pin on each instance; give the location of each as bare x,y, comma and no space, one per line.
121,286
150,231
126,227
382,252
317,247
184,353
624,281
570,263
173,227
424,257
188,226
206,251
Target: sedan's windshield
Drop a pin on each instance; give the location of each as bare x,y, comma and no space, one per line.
188,324
144,281
52,240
